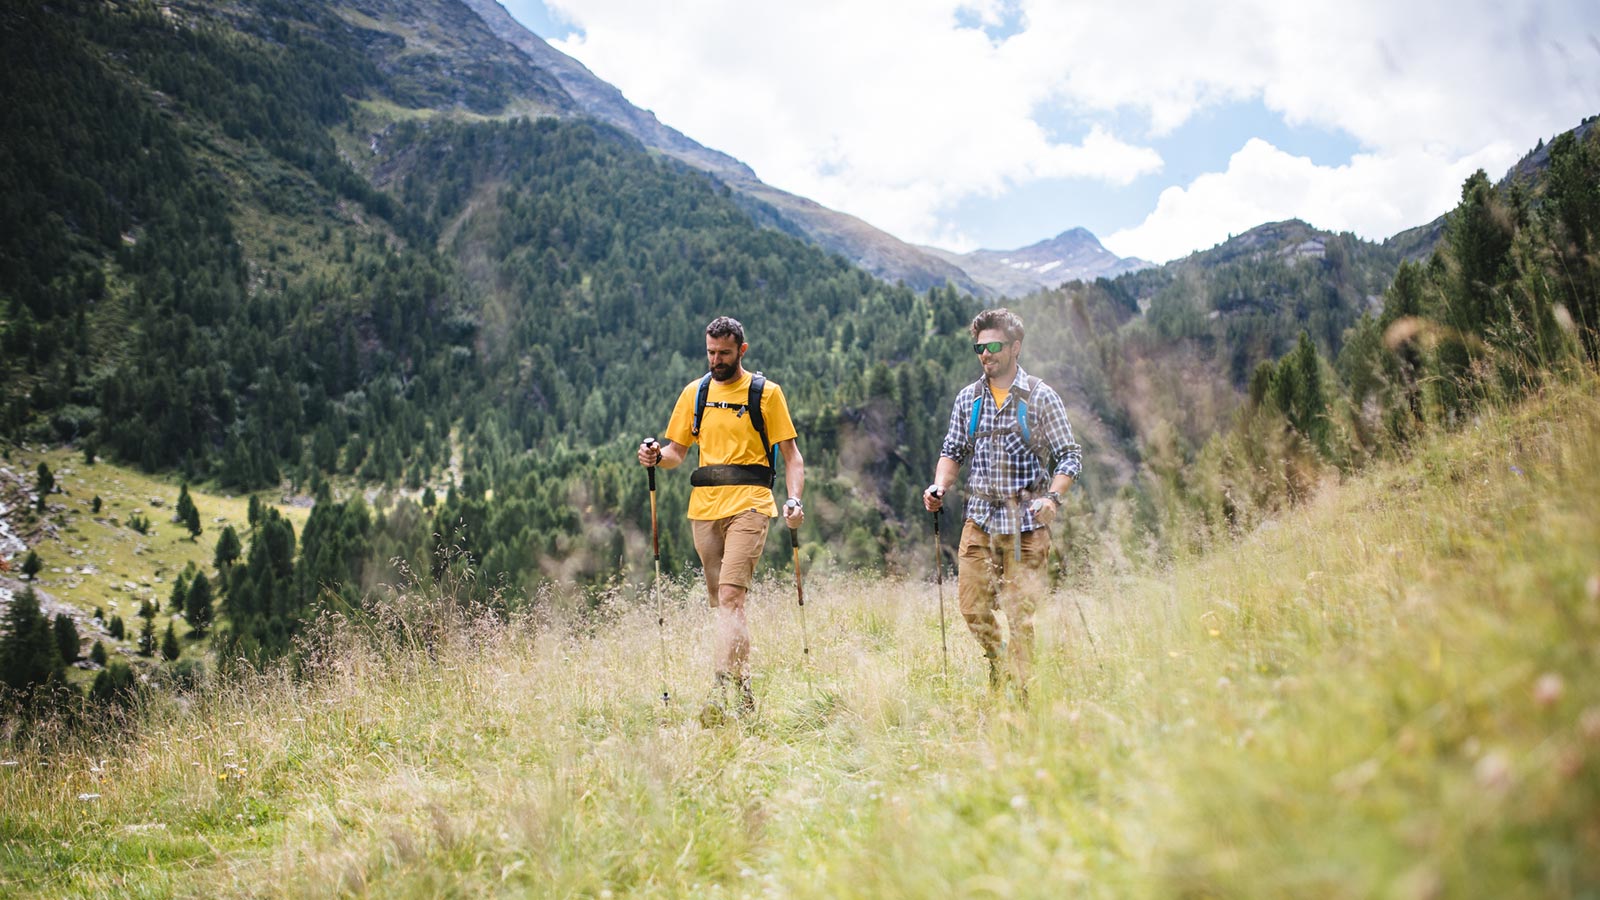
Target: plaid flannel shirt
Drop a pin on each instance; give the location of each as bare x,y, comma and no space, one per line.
1005,473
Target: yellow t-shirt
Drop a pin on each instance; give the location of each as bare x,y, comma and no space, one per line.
1000,395
728,440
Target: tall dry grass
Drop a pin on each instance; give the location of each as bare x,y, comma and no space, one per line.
1389,691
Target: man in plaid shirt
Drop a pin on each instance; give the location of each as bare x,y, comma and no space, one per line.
1021,465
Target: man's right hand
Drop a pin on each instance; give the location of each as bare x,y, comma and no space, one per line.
649,452
933,498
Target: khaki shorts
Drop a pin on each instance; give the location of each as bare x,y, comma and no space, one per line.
730,548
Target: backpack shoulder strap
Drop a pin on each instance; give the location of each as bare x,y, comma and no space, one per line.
700,404
758,383
977,408
1024,391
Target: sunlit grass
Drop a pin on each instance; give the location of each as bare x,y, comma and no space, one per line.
1391,691
96,560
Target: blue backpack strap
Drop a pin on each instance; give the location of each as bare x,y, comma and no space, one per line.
977,409
1023,390
1023,393
700,404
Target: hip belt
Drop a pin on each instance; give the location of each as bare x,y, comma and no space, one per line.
738,473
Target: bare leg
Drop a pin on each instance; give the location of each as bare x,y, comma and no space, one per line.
732,648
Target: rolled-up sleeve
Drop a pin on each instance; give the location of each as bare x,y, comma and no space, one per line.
1064,450
957,445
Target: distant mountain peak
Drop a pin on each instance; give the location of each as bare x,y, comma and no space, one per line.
1073,255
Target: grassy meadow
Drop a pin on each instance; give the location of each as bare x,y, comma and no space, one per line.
97,560
1391,691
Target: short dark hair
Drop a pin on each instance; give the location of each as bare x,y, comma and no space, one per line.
722,326
1004,319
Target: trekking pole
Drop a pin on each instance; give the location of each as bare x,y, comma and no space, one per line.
655,541
938,568
800,592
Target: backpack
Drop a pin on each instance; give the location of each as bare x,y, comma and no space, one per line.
751,474
1022,393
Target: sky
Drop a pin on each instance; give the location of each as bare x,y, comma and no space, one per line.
1162,126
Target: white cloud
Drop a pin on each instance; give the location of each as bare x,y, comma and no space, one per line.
886,110
889,110
1373,196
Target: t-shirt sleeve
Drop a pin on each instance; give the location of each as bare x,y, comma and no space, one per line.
775,410
680,428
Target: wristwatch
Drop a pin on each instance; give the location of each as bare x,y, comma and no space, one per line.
1055,498
795,502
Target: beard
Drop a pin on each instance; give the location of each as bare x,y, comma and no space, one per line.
726,371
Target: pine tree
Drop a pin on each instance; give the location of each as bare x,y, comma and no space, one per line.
31,564
169,643
114,684
147,638
198,608
188,514
97,654
66,632
180,593
228,549
45,484
29,654
116,628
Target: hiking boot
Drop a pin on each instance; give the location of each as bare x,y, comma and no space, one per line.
715,713
997,667
746,703
712,715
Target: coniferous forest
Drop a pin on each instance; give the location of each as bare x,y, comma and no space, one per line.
257,247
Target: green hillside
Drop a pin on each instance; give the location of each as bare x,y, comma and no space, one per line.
1390,691
296,253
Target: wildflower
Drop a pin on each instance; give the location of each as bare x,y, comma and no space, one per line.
1589,723
1493,772
1548,689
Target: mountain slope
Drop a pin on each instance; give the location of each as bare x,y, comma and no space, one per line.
882,254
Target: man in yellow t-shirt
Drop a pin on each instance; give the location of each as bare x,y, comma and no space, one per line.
732,503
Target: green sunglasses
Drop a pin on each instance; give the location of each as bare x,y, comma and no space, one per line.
992,347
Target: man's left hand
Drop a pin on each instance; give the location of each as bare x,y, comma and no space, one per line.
793,513
1044,510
